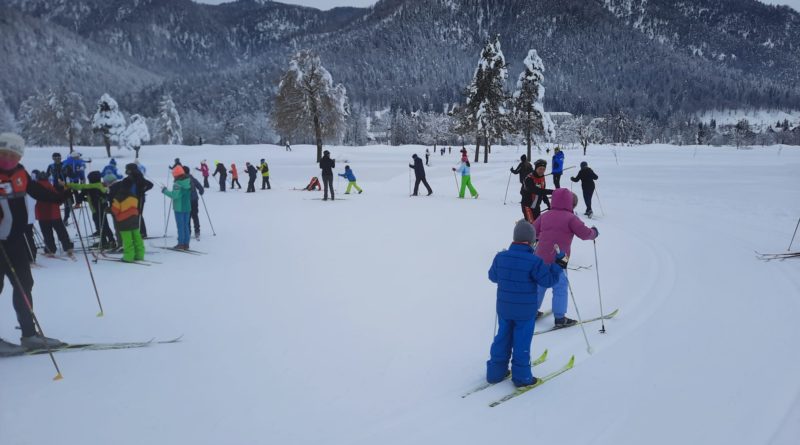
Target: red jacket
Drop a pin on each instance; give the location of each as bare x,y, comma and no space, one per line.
47,211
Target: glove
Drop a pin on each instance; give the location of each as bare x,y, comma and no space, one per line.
454,169
596,232
163,189
512,169
561,258
572,178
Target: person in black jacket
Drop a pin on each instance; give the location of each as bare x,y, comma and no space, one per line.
419,173
251,181
223,175
197,190
523,169
327,165
15,183
587,177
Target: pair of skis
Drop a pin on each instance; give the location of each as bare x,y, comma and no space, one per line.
102,346
777,256
187,251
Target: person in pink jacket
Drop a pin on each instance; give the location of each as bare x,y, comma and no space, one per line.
204,171
557,227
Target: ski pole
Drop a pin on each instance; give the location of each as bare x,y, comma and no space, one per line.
507,185
456,179
89,266
166,224
599,294
27,299
795,233
209,216
599,202
31,252
577,312
409,182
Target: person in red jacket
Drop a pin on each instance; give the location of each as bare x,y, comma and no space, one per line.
234,176
15,183
49,216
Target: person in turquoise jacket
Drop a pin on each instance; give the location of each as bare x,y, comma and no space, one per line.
351,180
181,196
466,179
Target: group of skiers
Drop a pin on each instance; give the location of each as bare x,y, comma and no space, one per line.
251,170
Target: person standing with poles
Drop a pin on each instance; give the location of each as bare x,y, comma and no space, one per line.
534,192
15,183
49,216
518,273
223,175
264,168
181,196
466,180
557,228
326,164
558,166
419,173
204,171
251,180
197,190
587,177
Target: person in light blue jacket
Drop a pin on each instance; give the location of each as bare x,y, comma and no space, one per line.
351,180
558,166
517,272
466,179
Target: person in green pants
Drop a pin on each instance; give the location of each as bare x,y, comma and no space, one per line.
351,180
466,179
125,208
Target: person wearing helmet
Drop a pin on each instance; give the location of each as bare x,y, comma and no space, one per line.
15,184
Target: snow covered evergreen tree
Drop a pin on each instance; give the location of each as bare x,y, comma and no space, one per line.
485,111
135,134
108,121
7,121
169,122
53,117
528,107
308,101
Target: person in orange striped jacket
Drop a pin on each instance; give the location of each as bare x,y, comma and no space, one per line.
125,208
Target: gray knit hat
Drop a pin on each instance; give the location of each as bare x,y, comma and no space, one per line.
13,143
524,232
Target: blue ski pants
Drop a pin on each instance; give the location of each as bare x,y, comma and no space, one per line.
559,295
512,341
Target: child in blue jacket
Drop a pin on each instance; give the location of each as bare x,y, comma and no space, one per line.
351,178
517,272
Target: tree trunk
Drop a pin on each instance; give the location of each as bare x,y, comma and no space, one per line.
486,150
107,141
136,149
318,136
528,139
71,139
477,147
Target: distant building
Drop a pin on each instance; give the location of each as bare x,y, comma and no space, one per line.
559,117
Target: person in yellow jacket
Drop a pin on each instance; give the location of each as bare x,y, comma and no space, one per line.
264,168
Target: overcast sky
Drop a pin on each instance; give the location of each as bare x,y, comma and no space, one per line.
328,4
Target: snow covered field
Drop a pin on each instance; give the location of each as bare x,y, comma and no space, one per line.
363,321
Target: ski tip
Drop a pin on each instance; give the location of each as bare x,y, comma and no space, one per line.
544,355
613,314
58,377
100,314
571,362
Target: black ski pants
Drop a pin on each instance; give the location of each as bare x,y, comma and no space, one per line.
235,181
205,182
101,222
424,182
265,182
194,215
251,185
15,251
222,183
327,183
557,180
30,243
57,226
587,198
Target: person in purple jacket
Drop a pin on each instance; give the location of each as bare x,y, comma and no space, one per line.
517,272
557,228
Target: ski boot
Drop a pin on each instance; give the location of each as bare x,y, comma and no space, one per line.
39,341
565,322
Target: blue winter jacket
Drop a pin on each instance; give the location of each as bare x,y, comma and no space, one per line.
110,168
75,169
463,169
558,162
348,173
517,272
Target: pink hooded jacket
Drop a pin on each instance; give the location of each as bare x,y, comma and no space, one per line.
558,226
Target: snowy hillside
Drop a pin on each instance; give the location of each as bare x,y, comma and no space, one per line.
364,320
